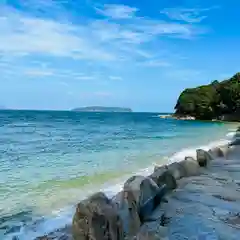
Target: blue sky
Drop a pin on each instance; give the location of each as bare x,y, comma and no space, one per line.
139,54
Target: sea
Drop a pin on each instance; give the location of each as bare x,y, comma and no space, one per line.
51,160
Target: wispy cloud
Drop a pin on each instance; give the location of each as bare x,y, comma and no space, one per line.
82,77
75,49
91,39
35,69
38,72
183,74
117,11
49,38
115,78
189,15
156,63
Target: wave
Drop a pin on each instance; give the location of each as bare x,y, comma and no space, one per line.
232,135
63,217
161,115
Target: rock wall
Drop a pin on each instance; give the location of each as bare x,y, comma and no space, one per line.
131,214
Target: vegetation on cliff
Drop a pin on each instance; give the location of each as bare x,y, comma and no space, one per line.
211,101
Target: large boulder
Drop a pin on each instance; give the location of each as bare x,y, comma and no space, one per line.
96,218
203,157
128,212
142,188
162,167
163,177
177,170
137,192
190,166
216,152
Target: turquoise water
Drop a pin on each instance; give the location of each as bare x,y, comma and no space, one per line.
50,160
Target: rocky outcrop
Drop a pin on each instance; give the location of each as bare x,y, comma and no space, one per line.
128,212
141,210
203,157
136,192
141,188
177,170
206,206
190,166
216,152
96,218
163,177
217,100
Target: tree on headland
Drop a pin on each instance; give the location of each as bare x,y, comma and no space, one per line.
210,101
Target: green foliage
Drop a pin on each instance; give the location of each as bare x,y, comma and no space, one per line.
210,101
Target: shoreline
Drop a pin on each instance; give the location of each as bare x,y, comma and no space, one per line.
60,230
138,216
56,226
191,118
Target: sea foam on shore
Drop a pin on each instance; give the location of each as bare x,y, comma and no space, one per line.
63,217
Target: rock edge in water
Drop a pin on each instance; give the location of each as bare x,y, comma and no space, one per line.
123,216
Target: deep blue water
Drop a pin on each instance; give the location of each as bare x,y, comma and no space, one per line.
49,160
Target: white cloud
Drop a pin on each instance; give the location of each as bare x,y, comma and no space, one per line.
189,15
88,40
81,77
115,78
156,63
35,69
20,34
38,72
117,11
183,74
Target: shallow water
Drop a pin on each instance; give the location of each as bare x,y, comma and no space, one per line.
50,160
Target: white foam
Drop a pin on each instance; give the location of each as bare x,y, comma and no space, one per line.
64,217
230,135
191,152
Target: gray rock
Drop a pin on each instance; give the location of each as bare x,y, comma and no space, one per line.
206,206
190,166
176,170
162,176
203,157
157,168
96,218
216,152
131,202
152,231
235,142
142,188
128,212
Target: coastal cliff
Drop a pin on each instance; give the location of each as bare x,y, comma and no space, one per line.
218,100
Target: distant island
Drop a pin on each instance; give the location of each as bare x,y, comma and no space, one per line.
101,109
215,101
